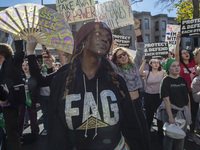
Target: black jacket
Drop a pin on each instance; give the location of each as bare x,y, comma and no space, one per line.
67,122
10,75
33,89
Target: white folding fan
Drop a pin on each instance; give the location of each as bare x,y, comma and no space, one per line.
45,24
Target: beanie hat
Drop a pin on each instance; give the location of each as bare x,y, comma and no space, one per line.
168,64
87,28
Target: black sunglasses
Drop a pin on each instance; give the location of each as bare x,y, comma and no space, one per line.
122,54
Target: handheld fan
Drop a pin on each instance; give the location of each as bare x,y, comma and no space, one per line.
45,24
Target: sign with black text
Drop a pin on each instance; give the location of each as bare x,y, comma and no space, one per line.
156,50
76,10
190,27
115,13
171,35
122,41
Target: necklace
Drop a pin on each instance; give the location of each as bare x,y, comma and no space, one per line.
127,68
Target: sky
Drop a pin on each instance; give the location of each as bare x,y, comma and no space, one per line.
146,5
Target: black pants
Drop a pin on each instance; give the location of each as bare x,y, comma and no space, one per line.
143,122
11,115
194,110
151,104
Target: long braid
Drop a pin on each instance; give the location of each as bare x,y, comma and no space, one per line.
72,72
113,76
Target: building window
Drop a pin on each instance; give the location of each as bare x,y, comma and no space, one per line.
147,38
188,41
146,22
129,27
156,25
163,25
157,39
163,38
140,23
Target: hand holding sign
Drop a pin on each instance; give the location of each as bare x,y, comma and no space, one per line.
136,24
137,27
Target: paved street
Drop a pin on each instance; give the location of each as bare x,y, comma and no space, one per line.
41,143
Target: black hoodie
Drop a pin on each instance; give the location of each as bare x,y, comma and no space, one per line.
75,118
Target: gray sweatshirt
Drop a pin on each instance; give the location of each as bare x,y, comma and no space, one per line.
132,77
195,86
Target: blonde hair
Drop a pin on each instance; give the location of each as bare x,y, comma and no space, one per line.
114,56
196,51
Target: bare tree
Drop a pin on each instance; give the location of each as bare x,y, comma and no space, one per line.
166,3
135,1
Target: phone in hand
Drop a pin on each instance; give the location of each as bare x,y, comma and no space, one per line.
46,50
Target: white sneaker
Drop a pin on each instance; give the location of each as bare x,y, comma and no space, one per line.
44,132
193,137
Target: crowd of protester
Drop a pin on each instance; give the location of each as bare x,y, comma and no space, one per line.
94,101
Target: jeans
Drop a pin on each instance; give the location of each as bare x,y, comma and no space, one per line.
146,134
33,118
173,144
11,115
170,143
44,100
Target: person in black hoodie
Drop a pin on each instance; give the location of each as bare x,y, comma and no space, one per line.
32,97
10,76
90,105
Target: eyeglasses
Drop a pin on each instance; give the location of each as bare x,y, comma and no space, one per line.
122,54
184,53
155,62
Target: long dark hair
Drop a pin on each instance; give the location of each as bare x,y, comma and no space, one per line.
180,56
78,51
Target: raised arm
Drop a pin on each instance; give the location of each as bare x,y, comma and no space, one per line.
139,44
141,70
177,46
33,65
19,54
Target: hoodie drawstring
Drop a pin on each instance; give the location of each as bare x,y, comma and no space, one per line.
97,98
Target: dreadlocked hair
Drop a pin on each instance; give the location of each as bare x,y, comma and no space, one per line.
72,72
113,76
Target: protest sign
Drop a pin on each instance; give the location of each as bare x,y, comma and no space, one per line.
76,10
171,35
156,50
115,13
190,27
122,41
